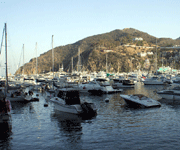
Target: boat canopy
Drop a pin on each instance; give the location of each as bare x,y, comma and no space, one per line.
70,97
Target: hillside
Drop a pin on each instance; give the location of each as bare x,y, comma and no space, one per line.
93,52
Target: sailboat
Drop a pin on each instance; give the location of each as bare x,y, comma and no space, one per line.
5,105
18,94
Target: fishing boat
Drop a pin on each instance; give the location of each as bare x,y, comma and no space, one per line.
140,101
68,100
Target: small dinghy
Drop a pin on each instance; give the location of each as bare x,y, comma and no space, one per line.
140,100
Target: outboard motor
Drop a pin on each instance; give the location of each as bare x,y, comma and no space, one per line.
30,92
87,108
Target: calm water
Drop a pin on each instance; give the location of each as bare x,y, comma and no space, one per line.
34,126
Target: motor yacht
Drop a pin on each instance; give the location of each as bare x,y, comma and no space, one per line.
98,85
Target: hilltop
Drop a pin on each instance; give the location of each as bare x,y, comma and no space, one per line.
95,49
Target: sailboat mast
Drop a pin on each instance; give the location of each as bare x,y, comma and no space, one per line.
156,56
36,62
72,64
106,64
6,59
52,57
23,59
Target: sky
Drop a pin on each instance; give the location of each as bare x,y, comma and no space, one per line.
31,21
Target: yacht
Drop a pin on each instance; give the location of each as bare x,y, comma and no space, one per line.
153,81
98,85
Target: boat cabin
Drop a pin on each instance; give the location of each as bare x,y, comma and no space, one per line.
71,97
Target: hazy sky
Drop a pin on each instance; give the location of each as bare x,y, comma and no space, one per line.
31,21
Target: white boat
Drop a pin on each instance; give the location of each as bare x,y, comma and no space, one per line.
122,83
140,100
68,101
21,96
153,81
171,94
98,85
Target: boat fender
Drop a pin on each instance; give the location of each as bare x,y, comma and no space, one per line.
107,100
45,105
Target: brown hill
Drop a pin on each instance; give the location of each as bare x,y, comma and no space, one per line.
94,52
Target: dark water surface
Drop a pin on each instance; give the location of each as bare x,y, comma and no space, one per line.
34,126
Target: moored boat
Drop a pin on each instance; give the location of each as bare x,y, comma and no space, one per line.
140,100
171,94
69,101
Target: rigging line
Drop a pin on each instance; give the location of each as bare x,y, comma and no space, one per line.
2,39
20,58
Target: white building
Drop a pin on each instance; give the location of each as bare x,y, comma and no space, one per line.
138,39
149,53
142,54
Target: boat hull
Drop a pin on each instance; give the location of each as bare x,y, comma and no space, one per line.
170,96
153,83
77,109
137,105
67,109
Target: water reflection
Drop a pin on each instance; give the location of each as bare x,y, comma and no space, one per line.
69,126
21,108
5,131
147,90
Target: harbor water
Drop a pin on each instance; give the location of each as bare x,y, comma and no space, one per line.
34,126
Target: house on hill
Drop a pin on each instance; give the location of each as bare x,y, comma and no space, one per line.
138,39
107,50
142,54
